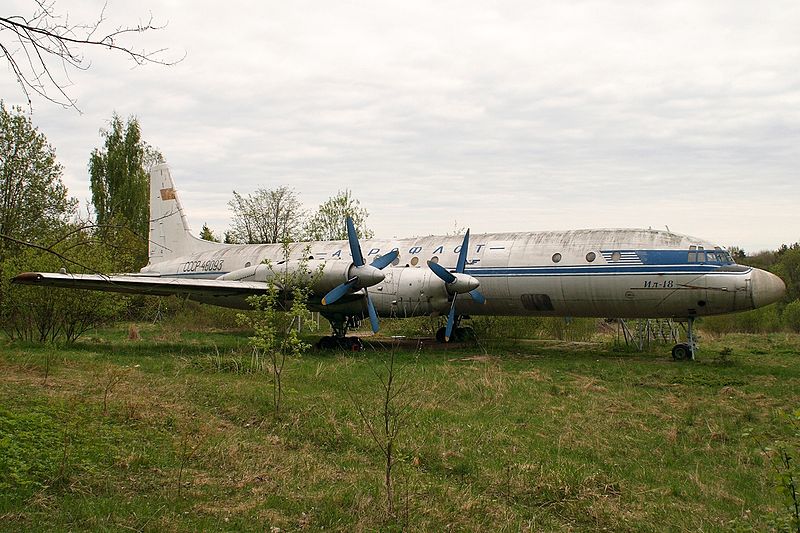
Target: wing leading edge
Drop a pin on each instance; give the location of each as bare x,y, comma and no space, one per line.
158,286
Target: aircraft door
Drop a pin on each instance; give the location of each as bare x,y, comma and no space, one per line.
492,264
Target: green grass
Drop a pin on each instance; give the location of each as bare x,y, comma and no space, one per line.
531,435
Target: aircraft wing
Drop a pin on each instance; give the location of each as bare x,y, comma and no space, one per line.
153,285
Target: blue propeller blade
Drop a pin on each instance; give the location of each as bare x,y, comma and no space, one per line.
385,260
441,272
355,247
451,320
373,316
477,297
462,254
339,291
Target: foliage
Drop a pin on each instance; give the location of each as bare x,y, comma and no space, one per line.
33,198
503,440
788,268
763,320
207,235
791,316
29,450
278,317
385,423
784,452
120,183
33,314
328,223
267,216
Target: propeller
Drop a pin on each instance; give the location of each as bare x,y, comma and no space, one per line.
457,283
362,275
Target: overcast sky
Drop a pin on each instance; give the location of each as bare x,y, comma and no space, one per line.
500,116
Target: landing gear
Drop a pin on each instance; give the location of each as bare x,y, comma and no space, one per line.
459,334
349,344
685,350
339,340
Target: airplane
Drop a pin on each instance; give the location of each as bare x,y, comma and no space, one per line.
620,273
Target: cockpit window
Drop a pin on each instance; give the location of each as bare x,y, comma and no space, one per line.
697,254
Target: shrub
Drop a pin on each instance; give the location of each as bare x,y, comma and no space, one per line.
791,316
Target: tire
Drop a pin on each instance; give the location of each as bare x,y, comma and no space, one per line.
326,343
440,335
681,352
355,344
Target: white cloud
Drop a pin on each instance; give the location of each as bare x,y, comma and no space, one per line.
510,116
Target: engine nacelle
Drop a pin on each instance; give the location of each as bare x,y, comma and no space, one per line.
411,292
322,275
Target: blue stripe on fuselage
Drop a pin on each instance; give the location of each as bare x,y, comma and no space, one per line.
598,270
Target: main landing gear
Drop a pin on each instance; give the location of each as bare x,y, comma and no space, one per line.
459,334
685,351
339,340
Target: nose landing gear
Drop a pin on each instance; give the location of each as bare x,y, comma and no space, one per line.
685,351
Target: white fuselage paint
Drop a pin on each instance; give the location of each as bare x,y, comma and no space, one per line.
634,273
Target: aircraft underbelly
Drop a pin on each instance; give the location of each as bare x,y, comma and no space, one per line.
623,296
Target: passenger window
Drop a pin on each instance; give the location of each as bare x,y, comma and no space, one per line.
616,256
591,256
556,257
693,257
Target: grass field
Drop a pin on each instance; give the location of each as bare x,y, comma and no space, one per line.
176,432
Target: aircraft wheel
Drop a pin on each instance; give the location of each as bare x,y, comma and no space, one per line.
327,343
355,344
465,334
440,335
681,352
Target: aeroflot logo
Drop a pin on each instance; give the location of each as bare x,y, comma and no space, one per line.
417,250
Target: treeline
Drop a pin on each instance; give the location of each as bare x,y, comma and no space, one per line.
41,228
782,316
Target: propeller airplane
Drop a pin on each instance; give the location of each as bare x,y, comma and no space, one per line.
620,273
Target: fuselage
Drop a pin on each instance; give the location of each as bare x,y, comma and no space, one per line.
620,273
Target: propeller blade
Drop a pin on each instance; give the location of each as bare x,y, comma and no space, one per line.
451,319
477,297
385,260
339,291
462,254
355,247
441,272
373,316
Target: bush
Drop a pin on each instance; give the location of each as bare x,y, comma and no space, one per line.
791,316
46,314
764,320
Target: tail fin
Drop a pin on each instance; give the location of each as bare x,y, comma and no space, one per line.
170,235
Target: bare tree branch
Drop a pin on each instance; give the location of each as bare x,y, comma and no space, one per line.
46,37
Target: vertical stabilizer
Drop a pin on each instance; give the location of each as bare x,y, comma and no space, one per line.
170,235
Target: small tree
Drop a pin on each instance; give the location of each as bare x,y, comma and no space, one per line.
267,216
327,224
207,235
385,424
30,313
278,316
119,176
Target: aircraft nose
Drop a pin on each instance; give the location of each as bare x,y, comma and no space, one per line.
767,288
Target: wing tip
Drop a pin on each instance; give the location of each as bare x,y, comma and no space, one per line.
27,277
